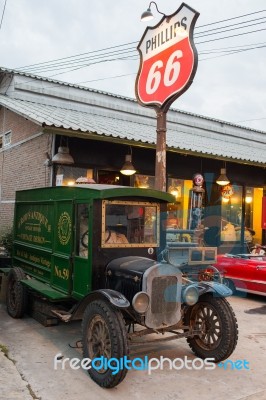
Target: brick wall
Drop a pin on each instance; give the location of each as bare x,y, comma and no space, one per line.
22,163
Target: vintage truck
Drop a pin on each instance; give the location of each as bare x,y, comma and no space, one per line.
98,253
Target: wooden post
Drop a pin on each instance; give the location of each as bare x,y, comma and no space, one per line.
160,162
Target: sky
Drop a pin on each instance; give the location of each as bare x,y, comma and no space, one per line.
230,82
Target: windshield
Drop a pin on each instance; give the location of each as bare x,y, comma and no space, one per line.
130,224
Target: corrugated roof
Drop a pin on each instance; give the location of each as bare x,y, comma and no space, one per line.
87,112
116,96
188,139
58,82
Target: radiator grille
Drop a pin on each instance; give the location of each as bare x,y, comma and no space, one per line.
163,284
164,294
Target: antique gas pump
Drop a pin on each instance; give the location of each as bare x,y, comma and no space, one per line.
196,202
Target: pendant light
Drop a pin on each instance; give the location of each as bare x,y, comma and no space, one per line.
63,156
128,168
223,180
148,15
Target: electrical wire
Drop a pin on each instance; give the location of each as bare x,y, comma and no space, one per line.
3,13
250,120
232,52
111,53
125,52
56,66
78,55
229,37
228,51
128,52
231,29
225,49
230,19
132,54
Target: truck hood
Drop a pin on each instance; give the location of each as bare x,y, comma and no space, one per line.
129,266
125,274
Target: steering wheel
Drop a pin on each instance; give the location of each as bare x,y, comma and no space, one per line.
108,231
84,244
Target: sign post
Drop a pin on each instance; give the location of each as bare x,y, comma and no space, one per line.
160,162
168,63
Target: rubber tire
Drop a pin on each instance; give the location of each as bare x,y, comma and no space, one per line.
118,337
16,295
227,341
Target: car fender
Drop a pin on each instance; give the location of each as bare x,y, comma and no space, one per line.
114,297
219,289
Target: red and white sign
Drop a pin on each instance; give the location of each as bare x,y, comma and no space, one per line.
198,180
168,59
227,191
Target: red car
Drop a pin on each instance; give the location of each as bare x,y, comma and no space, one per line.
243,272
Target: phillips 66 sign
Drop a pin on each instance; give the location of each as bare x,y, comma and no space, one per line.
168,59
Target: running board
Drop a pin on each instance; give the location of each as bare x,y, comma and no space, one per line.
45,290
62,315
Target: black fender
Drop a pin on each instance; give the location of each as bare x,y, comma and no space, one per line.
117,299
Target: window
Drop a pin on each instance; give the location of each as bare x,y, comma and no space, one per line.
67,175
130,224
144,181
82,233
7,139
108,177
232,213
253,214
179,211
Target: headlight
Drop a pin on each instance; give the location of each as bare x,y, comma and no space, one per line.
141,302
190,295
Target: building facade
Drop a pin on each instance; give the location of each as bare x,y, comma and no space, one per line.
38,116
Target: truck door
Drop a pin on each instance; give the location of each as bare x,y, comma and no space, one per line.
82,257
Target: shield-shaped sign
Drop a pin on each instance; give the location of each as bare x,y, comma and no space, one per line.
168,59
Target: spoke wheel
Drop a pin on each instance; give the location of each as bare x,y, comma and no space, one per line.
104,336
16,296
208,321
216,323
99,342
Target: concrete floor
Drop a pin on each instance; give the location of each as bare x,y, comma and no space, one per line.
33,348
